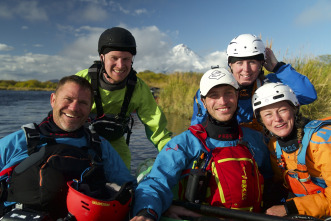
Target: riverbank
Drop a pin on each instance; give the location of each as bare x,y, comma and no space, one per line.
177,90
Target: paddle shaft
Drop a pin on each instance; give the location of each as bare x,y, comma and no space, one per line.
229,213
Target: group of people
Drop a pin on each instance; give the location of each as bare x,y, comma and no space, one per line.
247,140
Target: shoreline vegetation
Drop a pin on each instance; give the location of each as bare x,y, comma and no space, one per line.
177,90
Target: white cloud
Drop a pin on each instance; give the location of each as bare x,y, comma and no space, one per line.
92,12
28,10
154,52
4,47
140,11
320,12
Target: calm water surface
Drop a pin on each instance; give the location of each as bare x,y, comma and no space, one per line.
21,107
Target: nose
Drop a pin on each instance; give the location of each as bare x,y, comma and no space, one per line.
277,117
246,66
74,106
120,63
221,100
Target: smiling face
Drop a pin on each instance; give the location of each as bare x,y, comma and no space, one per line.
221,102
117,65
246,71
278,118
71,106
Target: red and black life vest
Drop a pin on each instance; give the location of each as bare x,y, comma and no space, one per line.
236,182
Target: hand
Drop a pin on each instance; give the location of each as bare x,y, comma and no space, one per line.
276,211
175,212
140,218
270,60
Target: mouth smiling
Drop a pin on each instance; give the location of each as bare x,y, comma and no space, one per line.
70,115
223,109
280,125
119,71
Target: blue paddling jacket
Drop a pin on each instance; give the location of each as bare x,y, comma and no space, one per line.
155,191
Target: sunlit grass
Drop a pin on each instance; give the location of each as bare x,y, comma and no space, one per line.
178,89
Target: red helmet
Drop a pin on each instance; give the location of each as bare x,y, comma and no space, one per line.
110,203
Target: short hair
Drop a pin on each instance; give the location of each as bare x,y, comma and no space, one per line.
78,80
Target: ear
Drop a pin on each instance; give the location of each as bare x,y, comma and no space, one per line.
52,99
102,57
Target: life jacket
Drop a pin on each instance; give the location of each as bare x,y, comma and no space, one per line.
235,180
299,180
40,181
111,126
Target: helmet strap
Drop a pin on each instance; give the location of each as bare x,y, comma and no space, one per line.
103,69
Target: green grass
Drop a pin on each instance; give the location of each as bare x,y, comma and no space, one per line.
178,89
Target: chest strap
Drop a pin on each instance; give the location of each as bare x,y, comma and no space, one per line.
34,140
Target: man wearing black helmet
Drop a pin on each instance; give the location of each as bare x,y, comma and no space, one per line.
118,92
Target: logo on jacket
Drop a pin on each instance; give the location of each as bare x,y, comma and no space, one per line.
175,148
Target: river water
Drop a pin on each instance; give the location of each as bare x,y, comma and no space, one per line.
21,107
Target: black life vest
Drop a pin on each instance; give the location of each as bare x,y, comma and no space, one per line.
40,181
111,126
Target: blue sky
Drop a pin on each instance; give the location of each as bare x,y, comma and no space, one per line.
45,39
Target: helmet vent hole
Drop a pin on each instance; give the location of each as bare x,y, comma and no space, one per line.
86,208
257,103
278,96
85,203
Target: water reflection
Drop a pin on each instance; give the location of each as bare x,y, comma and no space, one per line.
141,148
177,123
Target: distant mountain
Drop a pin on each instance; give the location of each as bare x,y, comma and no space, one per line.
185,59
183,50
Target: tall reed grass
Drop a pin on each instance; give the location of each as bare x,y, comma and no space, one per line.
178,89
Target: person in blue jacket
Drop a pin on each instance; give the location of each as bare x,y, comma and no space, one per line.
219,92
71,104
247,55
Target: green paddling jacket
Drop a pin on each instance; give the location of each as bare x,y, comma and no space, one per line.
149,113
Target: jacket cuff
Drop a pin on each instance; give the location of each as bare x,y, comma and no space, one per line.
290,207
278,65
148,213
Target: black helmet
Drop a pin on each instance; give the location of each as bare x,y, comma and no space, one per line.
117,39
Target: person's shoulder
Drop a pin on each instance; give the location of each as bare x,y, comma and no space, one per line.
141,82
322,130
248,131
183,138
16,136
83,74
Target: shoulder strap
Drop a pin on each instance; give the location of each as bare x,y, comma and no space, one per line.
199,132
309,130
199,114
32,137
95,146
130,85
93,72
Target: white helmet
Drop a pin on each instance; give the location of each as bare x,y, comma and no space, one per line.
271,93
215,77
246,45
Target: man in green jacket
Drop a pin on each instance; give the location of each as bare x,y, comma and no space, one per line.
121,92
